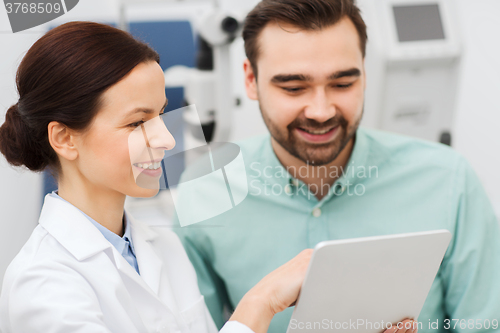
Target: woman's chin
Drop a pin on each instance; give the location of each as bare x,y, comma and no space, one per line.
145,186
140,192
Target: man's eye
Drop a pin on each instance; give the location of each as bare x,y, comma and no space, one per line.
292,90
137,123
344,86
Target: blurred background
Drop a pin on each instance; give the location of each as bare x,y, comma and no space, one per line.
432,66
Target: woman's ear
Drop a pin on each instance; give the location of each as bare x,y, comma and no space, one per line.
62,140
250,80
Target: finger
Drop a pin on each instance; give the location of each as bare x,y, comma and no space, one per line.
414,327
406,326
392,329
396,328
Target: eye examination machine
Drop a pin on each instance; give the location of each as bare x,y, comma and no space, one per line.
412,66
207,86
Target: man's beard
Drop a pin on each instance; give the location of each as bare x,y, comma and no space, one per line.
309,153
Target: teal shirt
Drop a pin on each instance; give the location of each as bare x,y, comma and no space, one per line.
391,184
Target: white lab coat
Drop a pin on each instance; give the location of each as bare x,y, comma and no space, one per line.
69,279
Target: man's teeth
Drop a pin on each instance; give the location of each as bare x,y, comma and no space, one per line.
150,166
317,132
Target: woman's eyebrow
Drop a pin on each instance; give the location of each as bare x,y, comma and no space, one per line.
146,110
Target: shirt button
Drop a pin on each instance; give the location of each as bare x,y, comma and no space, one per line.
288,189
339,189
295,182
316,212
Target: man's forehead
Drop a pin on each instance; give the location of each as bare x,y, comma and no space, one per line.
287,49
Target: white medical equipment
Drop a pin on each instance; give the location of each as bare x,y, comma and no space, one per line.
412,65
209,85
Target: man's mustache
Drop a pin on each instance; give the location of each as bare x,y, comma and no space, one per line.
315,125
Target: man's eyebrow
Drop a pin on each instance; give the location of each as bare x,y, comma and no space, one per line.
346,73
146,110
283,78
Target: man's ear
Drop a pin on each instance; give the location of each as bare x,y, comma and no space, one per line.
62,140
250,80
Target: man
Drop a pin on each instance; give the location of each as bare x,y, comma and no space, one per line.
319,177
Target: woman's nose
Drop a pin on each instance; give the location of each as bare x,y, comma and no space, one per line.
158,135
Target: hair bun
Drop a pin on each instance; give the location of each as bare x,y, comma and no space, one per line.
17,144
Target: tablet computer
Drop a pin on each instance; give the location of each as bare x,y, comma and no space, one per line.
365,284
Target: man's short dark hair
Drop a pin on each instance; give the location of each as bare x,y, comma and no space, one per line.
304,14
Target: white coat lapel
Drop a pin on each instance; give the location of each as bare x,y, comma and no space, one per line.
150,264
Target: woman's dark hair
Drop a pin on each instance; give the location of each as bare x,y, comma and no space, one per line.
62,78
305,14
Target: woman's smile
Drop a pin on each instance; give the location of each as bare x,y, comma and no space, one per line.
150,169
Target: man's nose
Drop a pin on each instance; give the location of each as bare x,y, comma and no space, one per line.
320,108
158,135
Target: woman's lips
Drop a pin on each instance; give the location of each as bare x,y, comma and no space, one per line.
151,169
318,136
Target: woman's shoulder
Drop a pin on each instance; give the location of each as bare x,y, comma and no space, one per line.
41,265
40,252
38,283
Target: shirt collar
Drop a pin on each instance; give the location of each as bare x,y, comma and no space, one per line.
127,235
120,243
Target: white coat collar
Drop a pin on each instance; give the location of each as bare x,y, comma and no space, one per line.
75,232
71,228
82,239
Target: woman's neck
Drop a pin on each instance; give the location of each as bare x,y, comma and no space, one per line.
103,205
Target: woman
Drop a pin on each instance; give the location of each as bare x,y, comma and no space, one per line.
88,266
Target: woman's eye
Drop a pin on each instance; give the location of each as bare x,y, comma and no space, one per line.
137,123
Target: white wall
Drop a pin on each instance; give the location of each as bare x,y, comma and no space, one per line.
478,114
20,190
476,134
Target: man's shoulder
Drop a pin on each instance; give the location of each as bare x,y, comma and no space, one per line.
409,150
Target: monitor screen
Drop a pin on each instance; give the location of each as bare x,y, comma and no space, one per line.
418,22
